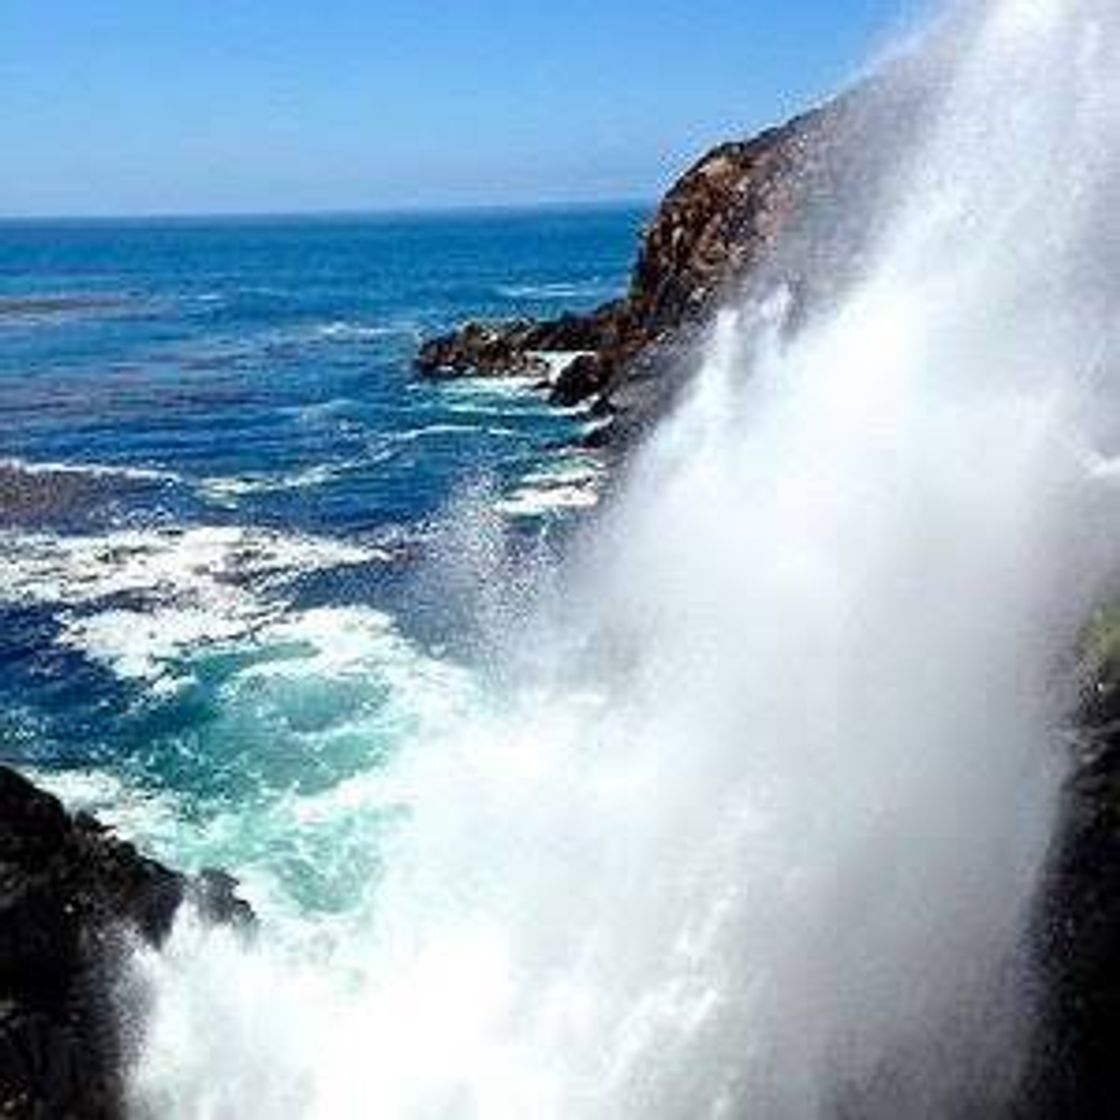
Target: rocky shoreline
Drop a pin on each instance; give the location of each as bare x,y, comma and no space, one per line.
73,899
794,206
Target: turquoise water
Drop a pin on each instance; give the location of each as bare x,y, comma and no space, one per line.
245,551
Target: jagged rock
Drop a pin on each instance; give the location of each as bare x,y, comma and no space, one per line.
72,895
483,349
513,348
795,205
583,376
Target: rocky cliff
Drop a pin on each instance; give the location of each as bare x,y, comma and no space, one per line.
795,205
72,898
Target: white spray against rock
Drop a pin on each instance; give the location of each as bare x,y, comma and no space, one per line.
765,843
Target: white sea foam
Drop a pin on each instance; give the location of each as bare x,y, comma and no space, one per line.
539,501
557,361
367,689
444,429
472,390
589,289
182,589
570,483
151,818
344,330
92,470
226,489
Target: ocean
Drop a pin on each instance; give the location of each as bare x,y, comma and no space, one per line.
233,521
733,795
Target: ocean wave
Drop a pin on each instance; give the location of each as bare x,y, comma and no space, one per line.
567,485
224,490
91,470
444,428
587,289
540,501
320,410
300,722
346,331
135,812
483,397
137,600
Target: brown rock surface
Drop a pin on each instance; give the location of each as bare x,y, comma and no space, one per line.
796,204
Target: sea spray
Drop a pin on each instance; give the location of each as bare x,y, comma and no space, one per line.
762,836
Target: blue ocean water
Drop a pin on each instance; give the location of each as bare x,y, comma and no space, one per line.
222,490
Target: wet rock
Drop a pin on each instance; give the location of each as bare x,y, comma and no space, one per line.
514,348
1074,1071
481,349
582,377
72,898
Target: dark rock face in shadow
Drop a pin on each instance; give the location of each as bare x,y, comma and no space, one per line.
1075,1067
73,898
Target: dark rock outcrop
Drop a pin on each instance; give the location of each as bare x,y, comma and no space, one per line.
1075,1073
514,348
72,898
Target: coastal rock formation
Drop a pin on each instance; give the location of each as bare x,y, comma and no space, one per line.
72,899
513,348
795,206
716,225
1075,1071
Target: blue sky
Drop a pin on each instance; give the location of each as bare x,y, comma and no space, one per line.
196,106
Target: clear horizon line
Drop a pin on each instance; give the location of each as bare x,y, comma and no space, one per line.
387,211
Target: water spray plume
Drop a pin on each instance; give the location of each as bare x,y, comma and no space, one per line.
763,837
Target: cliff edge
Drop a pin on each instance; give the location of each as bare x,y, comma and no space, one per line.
796,205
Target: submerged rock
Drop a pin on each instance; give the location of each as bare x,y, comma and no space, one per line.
73,897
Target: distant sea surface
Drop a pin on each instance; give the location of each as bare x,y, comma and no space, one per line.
220,482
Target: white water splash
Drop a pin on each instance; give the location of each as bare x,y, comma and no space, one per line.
764,842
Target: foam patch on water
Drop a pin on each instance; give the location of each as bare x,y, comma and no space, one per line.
588,289
138,814
226,490
570,484
344,330
444,429
165,591
557,361
475,389
90,470
313,708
